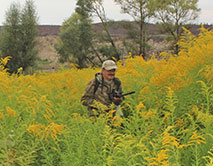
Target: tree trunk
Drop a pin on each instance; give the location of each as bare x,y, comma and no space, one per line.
96,53
142,38
106,29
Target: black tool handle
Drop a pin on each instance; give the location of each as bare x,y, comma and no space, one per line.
129,93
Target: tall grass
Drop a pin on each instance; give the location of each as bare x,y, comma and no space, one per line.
169,121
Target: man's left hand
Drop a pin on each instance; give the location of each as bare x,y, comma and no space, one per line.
117,100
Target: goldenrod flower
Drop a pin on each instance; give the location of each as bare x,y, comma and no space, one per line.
1,115
10,112
196,139
52,130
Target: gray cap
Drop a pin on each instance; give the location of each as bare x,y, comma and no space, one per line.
109,65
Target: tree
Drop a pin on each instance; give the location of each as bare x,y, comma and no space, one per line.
76,37
18,37
130,42
139,10
97,10
28,35
10,36
173,14
84,8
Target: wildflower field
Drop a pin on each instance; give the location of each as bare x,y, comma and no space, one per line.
167,122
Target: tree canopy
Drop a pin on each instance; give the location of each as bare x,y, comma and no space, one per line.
76,36
18,36
173,14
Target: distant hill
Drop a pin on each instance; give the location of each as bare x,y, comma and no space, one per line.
116,29
46,30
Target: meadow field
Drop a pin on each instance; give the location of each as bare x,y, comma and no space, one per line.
167,122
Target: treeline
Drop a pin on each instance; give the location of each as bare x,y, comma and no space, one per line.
81,44
76,32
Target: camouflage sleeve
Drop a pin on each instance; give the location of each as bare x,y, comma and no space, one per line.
88,96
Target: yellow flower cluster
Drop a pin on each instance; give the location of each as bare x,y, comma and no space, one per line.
162,159
46,132
10,112
196,139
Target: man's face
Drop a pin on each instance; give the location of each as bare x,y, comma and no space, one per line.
108,74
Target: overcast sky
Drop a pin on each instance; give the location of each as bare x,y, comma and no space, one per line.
54,12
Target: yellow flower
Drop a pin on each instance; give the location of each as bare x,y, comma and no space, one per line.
1,115
179,123
37,129
196,139
161,158
169,140
10,112
145,90
52,130
150,132
3,61
20,70
139,107
116,121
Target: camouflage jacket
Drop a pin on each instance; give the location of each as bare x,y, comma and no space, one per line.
102,94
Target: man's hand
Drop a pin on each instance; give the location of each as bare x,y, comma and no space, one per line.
117,100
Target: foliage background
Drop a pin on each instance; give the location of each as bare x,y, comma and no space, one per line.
168,121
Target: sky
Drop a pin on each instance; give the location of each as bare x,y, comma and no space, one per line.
54,12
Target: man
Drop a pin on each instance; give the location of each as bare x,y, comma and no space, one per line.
101,88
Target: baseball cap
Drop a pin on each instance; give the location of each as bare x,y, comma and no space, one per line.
109,65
